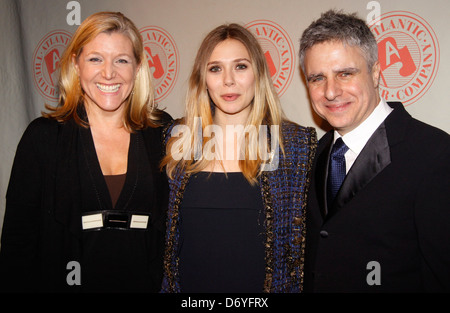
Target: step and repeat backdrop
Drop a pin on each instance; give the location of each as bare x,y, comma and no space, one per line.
413,39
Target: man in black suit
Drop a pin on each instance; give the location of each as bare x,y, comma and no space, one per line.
385,228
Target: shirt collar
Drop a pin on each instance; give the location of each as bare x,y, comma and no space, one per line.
358,137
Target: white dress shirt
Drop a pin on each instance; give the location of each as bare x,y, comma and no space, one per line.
358,137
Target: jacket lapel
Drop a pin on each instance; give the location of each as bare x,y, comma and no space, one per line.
376,153
67,192
321,171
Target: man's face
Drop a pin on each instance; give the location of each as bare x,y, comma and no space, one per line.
342,89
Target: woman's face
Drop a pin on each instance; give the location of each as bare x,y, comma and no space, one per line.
107,70
230,80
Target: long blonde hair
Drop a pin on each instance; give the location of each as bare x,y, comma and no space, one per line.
140,108
266,108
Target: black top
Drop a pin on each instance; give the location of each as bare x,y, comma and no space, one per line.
222,234
52,186
115,184
117,259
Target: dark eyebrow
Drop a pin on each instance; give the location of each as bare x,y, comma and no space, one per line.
312,76
352,70
348,70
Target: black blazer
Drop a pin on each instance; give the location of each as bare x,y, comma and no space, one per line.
387,230
42,228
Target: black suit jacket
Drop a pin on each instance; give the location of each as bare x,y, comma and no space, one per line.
387,230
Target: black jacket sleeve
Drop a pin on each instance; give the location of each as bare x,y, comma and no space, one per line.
19,258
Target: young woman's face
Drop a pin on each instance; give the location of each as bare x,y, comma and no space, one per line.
230,80
107,69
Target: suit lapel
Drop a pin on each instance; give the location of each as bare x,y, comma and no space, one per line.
321,171
376,153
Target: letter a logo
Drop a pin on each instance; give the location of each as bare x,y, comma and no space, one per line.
74,276
374,276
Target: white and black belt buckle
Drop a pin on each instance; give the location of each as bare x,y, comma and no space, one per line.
114,220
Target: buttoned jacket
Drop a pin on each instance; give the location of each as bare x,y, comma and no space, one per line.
387,230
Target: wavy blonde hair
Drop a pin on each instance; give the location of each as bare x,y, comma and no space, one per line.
140,108
265,110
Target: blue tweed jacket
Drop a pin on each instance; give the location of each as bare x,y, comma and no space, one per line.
284,192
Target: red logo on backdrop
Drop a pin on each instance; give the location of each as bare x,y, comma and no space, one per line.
163,59
409,55
278,50
46,62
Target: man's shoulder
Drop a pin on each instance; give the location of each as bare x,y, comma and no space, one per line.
414,124
429,130
419,130
325,139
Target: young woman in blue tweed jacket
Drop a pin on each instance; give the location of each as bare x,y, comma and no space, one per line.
238,175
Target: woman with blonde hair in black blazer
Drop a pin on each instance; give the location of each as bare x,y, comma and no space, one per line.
86,202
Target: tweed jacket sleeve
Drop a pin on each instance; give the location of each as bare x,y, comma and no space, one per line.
284,192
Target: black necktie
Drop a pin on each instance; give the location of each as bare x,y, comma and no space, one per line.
336,171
